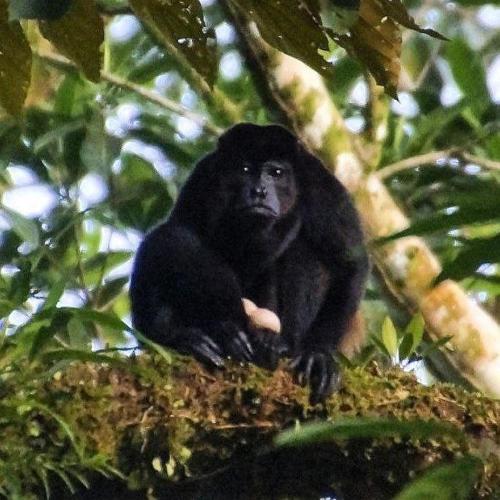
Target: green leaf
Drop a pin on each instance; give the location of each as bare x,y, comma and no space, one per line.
476,252
20,284
290,28
469,73
79,337
380,345
179,26
360,428
25,228
98,149
405,348
164,353
109,291
55,293
6,307
412,337
15,63
390,336
97,266
443,221
433,346
103,319
445,482
79,355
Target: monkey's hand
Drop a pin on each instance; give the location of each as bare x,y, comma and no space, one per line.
318,370
269,348
200,345
233,341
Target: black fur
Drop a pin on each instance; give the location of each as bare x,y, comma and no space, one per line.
261,218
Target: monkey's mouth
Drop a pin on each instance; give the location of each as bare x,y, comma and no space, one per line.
259,209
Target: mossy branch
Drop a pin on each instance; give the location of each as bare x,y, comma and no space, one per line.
179,431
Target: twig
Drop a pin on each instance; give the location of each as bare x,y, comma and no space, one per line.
163,102
60,61
483,162
431,158
414,161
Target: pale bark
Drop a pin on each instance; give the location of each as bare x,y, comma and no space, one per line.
407,265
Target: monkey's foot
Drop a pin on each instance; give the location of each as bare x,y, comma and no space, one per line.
318,370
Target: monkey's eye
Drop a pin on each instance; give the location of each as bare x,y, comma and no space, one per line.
277,172
246,168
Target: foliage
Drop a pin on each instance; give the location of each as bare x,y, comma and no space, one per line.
109,155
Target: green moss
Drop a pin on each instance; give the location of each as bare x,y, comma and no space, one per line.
161,424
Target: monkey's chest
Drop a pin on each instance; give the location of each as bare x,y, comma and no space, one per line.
294,287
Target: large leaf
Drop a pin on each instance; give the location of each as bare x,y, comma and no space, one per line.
375,39
360,428
15,63
179,26
469,73
289,27
390,336
25,228
476,252
443,221
78,35
445,482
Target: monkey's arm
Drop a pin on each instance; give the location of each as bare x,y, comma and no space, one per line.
184,296
315,365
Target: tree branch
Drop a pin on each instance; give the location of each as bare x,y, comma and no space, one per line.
427,159
61,62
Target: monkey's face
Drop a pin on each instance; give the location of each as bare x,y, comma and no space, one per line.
259,189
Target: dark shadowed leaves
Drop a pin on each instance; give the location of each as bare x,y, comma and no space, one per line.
78,35
15,63
289,26
475,253
445,482
375,39
25,228
444,221
469,74
179,26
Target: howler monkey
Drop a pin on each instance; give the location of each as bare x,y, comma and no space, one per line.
260,218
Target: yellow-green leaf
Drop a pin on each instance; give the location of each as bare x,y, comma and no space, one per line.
78,35
15,63
180,28
390,336
375,39
291,26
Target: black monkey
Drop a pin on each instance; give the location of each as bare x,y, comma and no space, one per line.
261,218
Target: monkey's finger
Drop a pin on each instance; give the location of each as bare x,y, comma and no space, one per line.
295,362
244,344
310,365
324,378
208,351
295,365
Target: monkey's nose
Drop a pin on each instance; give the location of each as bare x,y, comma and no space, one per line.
259,192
